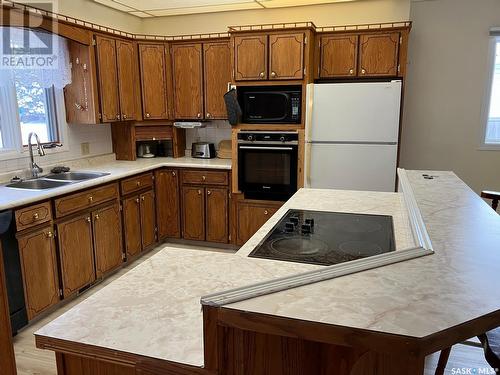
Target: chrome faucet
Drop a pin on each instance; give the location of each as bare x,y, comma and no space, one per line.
34,168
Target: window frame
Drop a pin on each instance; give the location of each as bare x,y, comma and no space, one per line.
485,112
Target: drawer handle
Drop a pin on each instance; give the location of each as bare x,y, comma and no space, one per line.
91,199
266,212
36,216
203,178
97,217
88,219
50,234
138,183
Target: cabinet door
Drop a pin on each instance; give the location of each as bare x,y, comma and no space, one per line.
77,255
148,222
167,203
39,268
126,54
339,56
153,81
379,54
7,359
250,218
188,81
107,239
193,213
217,215
132,226
250,57
217,76
108,79
286,56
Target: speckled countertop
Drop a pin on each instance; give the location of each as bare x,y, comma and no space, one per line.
10,198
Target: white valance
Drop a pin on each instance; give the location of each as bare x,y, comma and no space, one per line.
33,56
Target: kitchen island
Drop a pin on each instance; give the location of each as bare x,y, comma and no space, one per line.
383,320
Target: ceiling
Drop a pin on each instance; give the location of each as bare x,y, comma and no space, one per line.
161,8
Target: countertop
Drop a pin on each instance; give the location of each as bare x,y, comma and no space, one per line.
154,309
10,198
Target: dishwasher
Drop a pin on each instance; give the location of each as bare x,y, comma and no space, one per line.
13,274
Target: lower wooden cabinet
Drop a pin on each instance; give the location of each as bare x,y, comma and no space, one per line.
107,239
39,268
193,213
76,253
167,203
250,216
148,220
217,215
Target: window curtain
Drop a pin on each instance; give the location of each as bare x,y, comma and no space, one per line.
11,134
24,71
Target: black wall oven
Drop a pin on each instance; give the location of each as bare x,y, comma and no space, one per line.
267,164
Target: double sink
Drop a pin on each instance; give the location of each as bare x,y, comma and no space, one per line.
55,180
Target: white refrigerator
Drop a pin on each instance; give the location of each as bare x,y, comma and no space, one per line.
352,134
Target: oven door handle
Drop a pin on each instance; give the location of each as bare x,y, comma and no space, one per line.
266,148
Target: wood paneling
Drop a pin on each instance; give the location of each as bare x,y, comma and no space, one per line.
136,183
167,203
76,253
378,54
250,57
148,219
193,213
338,56
216,77
251,216
31,216
132,226
7,360
39,268
79,201
107,73
153,81
128,76
205,177
151,133
217,215
107,239
73,365
187,73
286,56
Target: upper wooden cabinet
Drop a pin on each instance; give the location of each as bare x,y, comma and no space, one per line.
108,78
152,59
286,56
126,55
339,56
378,55
216,78
250,57
187,62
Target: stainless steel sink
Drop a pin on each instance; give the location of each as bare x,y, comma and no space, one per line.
37,184
75,176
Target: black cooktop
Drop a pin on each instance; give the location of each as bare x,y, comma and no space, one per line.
327,238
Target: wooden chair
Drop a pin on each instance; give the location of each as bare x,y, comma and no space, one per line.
490,341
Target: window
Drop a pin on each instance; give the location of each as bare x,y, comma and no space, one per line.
492,134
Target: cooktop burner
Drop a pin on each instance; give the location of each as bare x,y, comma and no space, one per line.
327,238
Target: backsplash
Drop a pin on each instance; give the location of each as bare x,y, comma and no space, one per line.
214,132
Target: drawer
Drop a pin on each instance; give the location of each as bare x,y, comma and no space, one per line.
152,133
205,177
33,215
137,183
79,201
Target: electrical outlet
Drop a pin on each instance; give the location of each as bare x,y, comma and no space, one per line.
85,146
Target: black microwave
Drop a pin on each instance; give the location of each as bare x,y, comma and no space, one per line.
270,104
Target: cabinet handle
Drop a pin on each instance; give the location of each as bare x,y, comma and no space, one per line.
91,199
261,74
143,198
273,74
209,192
198,115
138,183
148,115
124,116
209,115
118,117
88,219
137,200
203,178
36,216
97,217
363,71
50,234
199,192
173,174
351,71
265,212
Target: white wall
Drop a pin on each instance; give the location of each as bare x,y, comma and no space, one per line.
356,12
447,77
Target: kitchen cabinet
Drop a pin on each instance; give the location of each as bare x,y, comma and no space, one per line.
216,78
76,253
250,57
217,215
128,73
193,213
153,64
339,56
378,54
187,72
251,215
37,252
7,359
148,218
167,203
107,230
107,71
286,56
132,225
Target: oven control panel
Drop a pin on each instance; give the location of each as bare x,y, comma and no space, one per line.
274,137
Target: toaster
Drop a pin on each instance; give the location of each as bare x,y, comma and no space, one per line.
203,150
